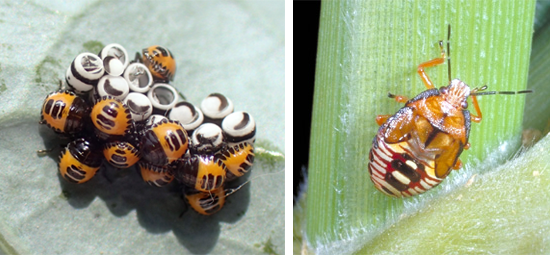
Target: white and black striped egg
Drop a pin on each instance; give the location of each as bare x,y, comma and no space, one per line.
239,127
187,114
84,72
215,107
140,106
207,138
114,86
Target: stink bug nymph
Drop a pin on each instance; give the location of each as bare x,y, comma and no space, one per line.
64,112
160,62
416,148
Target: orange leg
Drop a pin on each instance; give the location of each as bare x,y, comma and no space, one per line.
475,118
398,98
433,62
457,165
381,119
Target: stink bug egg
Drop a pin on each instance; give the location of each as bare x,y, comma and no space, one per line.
239,127
207,138
187,114
140,106
215,107
163,97
114,86
138,77
84,72
117,51
113,66
154,119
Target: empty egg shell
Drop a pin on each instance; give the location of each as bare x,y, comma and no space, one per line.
163,97
207,138
115,50
84,72
139,77
140,106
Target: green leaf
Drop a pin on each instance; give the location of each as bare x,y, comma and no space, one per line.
501,212
234,48
369,48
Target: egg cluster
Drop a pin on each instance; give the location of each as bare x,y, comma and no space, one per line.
126,113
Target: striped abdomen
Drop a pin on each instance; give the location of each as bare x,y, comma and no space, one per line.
164,143
238,159
206,203
395,171
121,154
64,112
111,117
155,175
79,161
201,172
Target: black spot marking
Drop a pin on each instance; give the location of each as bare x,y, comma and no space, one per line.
211,182
243,168
118,159
160,182
250,158
75,174
210,204
48,108
395,183
406,170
